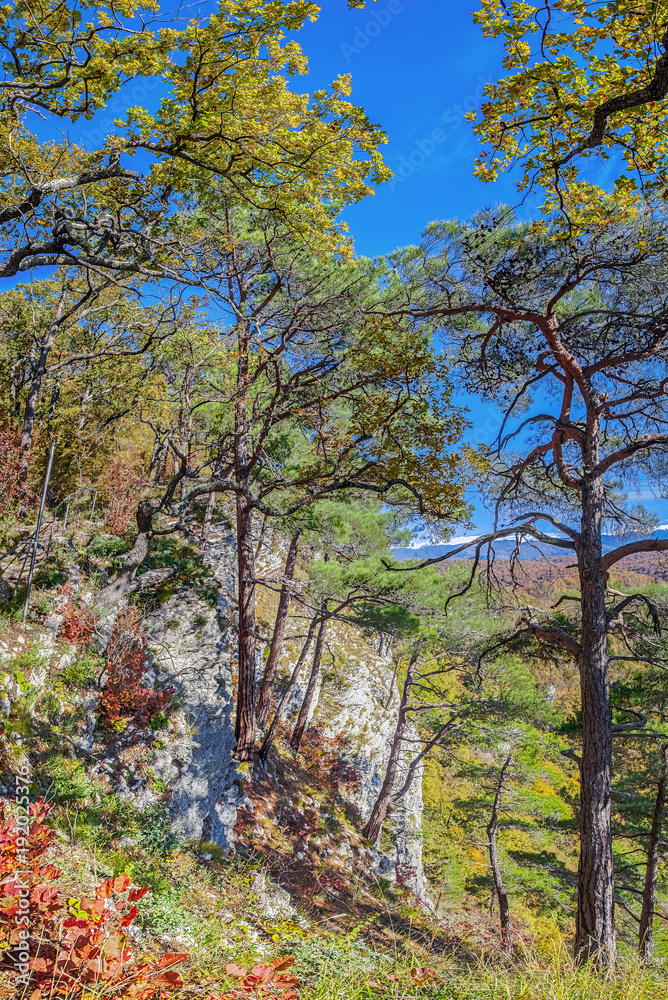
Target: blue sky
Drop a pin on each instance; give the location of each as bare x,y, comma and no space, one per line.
417,66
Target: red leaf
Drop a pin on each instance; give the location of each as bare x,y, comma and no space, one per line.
129,916
121,882
233,970
173,959
262,972
136,894
105,890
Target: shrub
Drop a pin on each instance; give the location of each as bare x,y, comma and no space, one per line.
82,672
103,548
323,759
123,696
265,981
124,483
11,490
67,944
78,622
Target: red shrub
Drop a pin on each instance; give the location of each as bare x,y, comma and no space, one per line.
78,622
322,759
58,946
124,483
263,981
123,696
11,490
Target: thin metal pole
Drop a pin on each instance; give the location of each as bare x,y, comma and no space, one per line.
37,530
27,556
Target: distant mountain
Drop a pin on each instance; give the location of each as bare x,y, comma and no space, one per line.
505,547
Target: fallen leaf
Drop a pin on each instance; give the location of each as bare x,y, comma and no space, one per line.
233,970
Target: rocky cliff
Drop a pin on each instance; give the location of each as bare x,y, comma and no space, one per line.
192,641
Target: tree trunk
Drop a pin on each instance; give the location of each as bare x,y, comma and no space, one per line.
391,692
645,938
218,472
122,584
298,733
595,937
245,720
374,824
31,408
499,887
292,684
264,698
208,517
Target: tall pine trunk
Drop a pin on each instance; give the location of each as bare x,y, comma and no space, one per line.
595,937
245,718
287,694
264,697
302,719
645,932
374,824
499,886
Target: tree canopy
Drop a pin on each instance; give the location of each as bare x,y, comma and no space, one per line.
584,95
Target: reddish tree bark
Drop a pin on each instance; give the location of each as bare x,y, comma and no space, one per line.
245,718
264,697
595,936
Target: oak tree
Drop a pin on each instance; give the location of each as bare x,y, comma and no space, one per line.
585,82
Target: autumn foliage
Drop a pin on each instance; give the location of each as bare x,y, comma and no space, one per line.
78,622
263,981
123,480
123,696
11,489
72,943
323,759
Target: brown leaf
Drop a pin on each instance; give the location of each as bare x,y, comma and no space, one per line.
283,962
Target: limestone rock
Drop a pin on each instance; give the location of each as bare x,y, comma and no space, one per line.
271,899
191,643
